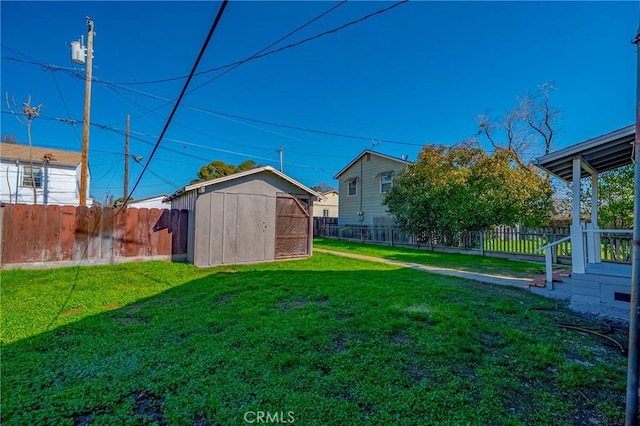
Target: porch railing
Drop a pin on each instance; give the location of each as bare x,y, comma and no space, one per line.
608,245
549,249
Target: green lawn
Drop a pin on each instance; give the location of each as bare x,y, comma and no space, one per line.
463,262
326,340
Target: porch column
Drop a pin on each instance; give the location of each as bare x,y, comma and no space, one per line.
577,246
594,237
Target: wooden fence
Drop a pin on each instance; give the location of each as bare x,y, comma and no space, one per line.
320,223
64,235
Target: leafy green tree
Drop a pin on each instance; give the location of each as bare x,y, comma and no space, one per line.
615,198
462,188
217,169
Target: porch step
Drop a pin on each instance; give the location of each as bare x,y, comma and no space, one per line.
558,276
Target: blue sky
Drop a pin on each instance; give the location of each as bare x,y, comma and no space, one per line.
419,73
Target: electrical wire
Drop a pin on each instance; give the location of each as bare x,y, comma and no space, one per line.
64,103
182,93
271,52
271,123
221,114
257,54
139,136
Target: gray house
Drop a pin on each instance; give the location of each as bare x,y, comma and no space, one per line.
258,215
363,184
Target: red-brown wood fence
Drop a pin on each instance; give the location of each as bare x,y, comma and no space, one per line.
36,233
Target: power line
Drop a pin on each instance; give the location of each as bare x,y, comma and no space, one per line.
271,123
271,52
256,55
221,114
184,89
139,136
304,129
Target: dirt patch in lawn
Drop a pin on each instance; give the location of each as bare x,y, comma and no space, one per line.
71,312
222,300
338,344
345,316
111,307
136,307
82,419
148,407
401,339
416,371
133,320
288,305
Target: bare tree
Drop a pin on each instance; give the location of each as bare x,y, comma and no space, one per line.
536,111
29,114
527,130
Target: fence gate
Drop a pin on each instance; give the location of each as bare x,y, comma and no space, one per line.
292,228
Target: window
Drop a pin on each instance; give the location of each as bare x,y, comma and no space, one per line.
353,187
325,213
29,180
386,181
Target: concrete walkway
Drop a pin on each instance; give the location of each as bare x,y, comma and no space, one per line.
485,278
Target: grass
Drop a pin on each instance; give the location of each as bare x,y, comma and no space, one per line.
326,340
463,262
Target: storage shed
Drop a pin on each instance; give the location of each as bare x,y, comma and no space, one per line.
258,215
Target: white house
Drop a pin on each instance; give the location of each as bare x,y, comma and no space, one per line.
327,207
55,175
155,202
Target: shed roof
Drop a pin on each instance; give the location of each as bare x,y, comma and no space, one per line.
13,152
368,151
603,153
234,176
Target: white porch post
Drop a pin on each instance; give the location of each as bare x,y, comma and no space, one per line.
594,238
577,246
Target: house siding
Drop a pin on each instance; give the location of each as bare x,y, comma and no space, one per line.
60,184
331,204
369,198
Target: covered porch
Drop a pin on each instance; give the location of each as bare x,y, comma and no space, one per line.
596,285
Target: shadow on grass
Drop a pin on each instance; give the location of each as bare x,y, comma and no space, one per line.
382,345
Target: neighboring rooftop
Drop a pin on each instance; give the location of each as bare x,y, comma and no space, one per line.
18,152
403,160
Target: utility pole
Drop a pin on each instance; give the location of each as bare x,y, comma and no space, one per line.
84,172
126,162
631,415
281,150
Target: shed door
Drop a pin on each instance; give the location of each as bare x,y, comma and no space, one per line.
292,228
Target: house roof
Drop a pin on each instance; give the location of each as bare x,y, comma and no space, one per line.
603,153
153,197
18,152
368,151
234,176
